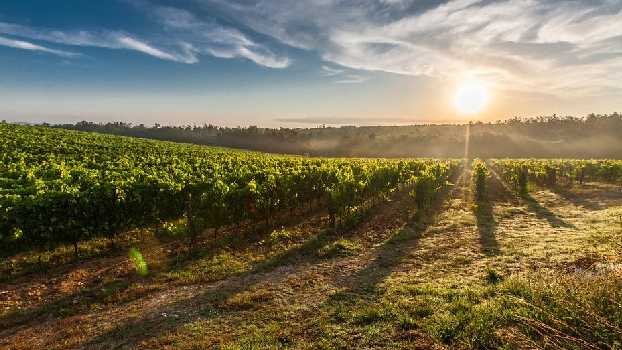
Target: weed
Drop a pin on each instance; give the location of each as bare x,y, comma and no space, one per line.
492,276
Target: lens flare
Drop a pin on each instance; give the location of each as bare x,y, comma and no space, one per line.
139,262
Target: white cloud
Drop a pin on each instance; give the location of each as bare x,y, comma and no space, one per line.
134,44
24,45
329,72
501,41
344,77
262,59
352,79
210,38
566,46
180,52
184,39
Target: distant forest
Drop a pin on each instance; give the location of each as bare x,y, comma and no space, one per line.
594,136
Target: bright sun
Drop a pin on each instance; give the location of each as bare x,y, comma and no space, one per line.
471,98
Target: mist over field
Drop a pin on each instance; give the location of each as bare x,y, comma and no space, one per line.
594,136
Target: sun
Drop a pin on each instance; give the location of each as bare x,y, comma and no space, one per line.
471,98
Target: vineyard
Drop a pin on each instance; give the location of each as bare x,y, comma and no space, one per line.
550,173
110,242
63,187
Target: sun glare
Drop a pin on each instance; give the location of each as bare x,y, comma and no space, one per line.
471,98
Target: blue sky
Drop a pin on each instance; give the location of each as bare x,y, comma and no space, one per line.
303,63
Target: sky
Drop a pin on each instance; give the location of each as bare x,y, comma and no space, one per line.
305,63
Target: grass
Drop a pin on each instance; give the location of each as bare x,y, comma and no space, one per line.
492,276
496,274
247,300
341,247
569,312
219,266
28,263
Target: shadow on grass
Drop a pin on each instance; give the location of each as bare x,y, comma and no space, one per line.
399,246
484,213
244,237
121,290
208,303
487,227
576,199
80,302
389,256
62,257
543,213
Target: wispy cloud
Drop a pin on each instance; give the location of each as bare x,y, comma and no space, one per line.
566,47
344,77
24,45
184,38
329,72
352,79
133,44
210,38
180,52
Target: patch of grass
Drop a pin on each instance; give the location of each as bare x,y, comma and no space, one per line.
407,323
462,260
294,252
12,316
282,236
443,327
341,314
568,312
492,276
408,233
552,312
422,308
110,292
218,267
260,335
137,291
341,247
369,314
247,300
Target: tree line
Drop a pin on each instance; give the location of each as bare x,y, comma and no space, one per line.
593,136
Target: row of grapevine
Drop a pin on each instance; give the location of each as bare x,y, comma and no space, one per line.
479,175
553,172
431,180
60,186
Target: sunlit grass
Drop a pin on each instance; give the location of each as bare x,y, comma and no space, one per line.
428,284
